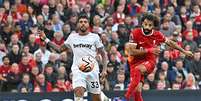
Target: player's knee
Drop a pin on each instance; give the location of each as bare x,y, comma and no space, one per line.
141,68
79,91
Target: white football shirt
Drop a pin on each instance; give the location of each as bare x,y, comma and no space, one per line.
83,46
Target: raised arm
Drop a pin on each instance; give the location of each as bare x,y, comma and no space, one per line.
175,46
60,49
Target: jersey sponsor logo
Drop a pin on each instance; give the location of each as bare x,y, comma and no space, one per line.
82,46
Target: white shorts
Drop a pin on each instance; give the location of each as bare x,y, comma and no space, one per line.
90,81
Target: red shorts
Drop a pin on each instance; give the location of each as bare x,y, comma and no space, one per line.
148,65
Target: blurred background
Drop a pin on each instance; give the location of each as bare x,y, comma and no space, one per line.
28,65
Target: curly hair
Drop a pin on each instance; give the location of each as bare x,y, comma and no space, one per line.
151,17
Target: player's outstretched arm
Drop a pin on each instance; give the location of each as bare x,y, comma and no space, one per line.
53,45
175,46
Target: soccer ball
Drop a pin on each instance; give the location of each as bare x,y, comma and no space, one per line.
86,63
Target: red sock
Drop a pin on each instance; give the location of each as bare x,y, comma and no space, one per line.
138,96
136,77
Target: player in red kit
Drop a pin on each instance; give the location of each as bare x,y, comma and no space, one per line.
144,48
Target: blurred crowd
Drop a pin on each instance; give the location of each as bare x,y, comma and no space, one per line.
28,65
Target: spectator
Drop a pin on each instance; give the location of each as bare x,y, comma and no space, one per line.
198,40
49,29
100,11
44,52
190,82
65,61
61,85
189,41
178,81
179,69
24,66
66,30
42,85
25,25
146,86
50,76
45,12
190,29
62,73
6,33
15,54
25,84
33,46
120,84
40,21
58,38
97,26
32,14
4,70
167,26
21,8
119,15
13,78
151,81
3,51
33,75
196,65
166,57
162,83
167,72
57,23
111,75
183,16
15,40
52,6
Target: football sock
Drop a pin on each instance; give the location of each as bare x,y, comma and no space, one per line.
138,96
134,82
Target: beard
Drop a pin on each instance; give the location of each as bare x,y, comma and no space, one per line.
147,31
83,29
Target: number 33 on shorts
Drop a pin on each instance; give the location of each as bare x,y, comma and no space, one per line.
94,84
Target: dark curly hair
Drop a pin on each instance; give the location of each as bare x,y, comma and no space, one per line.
151,17
83,16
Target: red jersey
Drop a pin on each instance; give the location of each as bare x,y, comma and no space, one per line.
4,70
144,42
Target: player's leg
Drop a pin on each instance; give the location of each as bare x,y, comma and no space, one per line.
96,97
138,92
79,93
93,86
79,85
137,72
145,67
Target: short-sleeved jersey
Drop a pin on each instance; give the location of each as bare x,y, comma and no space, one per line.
146,41
83,46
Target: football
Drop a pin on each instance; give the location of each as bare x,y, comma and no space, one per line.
86,64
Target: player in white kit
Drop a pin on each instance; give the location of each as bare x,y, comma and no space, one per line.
84,43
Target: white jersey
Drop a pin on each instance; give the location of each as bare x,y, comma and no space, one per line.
83,46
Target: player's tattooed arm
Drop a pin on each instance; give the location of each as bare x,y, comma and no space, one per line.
103,54
60,49
176,46
104,61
